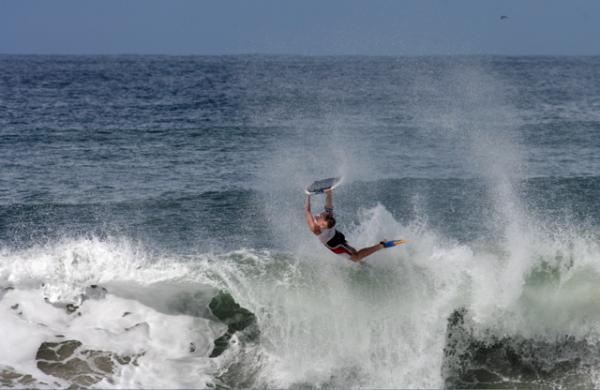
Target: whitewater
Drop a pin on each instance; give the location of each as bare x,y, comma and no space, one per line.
152,236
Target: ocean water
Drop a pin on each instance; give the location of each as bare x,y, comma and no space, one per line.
152,233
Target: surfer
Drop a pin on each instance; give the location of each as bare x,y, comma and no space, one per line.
323,225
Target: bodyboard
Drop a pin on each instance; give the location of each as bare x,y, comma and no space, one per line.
319,186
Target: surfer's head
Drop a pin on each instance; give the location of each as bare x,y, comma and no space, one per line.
325,220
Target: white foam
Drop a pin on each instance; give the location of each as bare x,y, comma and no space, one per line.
162,340
45,278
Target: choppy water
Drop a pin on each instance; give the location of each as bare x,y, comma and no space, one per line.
174,185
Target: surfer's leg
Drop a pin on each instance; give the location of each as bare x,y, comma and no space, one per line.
364,252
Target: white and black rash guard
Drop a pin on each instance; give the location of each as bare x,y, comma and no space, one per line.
332,238
326,235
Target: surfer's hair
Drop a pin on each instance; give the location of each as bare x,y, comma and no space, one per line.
330,221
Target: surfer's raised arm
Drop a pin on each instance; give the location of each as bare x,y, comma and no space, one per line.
329,201
310,221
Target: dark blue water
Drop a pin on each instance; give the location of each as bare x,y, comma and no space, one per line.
207,155
179,147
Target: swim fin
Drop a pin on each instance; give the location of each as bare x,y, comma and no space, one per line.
389,244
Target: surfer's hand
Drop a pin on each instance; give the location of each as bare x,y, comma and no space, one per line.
328,191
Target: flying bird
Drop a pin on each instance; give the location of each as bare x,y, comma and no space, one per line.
503,17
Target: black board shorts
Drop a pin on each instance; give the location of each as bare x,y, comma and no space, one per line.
339,245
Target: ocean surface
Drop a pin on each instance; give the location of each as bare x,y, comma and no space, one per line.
152,231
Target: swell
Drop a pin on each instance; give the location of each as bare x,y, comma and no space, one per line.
230,218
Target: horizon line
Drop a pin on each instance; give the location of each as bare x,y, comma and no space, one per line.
293,55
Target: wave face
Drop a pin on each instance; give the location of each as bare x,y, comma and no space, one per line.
152,236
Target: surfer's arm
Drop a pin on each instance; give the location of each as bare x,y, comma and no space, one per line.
310,221
329,201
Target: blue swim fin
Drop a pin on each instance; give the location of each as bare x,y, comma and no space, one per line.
389,244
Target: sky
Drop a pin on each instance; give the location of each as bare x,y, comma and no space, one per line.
306,27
